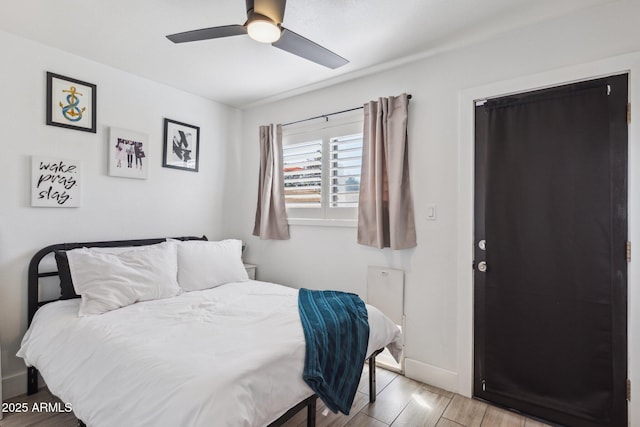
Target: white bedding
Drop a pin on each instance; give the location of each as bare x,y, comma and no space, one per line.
227,356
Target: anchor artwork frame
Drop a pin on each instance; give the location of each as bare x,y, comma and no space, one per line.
71,103
181,148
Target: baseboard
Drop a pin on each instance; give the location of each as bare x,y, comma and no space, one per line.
431,375
14,385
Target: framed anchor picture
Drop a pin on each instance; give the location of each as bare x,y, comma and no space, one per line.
71,103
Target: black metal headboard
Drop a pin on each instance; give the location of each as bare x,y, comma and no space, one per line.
33,296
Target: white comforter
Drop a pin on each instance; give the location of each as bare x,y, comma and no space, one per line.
228,356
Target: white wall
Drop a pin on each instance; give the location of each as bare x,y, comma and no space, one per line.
320,257
220,200
169,203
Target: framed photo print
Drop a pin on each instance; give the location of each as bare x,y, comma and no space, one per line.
181,146
71,103
128,153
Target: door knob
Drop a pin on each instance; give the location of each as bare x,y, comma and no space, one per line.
482,266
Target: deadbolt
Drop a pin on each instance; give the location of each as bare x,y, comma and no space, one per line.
482,244
482,266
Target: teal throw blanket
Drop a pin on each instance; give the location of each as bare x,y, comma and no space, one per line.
336,330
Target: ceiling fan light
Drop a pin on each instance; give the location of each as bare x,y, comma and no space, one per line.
263,31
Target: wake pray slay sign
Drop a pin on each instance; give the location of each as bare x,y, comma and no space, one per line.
55,182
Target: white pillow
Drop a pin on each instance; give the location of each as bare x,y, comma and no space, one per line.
116,250
108,281
203,264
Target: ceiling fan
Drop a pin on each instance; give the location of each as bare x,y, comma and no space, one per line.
264,19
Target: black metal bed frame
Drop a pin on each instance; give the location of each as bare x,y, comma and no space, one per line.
34,303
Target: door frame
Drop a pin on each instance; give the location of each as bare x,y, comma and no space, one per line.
616,65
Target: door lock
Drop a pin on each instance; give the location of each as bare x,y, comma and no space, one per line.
482,266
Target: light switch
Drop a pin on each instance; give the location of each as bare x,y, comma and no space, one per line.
431,212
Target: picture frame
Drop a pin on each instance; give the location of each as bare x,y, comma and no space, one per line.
181,147
71,103
128,153
55,182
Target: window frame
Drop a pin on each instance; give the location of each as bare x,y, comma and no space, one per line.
325,132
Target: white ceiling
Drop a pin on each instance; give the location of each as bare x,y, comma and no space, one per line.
130,35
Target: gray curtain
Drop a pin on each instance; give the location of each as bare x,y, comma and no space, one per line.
271,215
385,208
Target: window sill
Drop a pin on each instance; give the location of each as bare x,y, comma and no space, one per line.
316,222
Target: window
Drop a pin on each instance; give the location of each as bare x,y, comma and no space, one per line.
322,173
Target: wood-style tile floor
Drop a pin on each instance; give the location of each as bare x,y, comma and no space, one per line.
400,402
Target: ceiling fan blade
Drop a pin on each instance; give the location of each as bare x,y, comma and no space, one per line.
208,33
273,9
305,48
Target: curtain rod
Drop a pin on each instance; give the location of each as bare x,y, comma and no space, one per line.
326,116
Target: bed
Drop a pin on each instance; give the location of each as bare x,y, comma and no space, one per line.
232,354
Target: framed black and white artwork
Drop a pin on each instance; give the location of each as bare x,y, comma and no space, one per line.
128,154
55,183
181,146
71,103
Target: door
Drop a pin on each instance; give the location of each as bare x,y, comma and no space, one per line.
550,273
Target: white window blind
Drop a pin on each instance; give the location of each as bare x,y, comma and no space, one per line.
303,174
346,162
